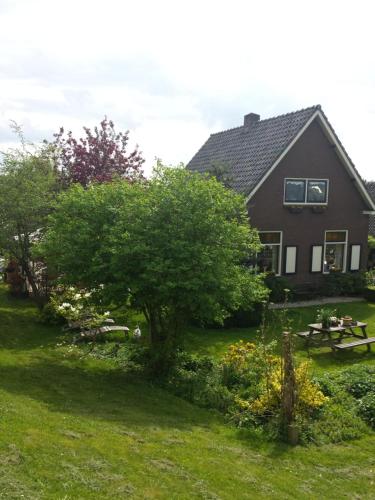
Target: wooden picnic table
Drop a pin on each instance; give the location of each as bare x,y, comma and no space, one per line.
334,335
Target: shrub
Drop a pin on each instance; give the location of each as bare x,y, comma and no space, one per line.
369,294
358,381
50,315
309,395
245,364
366,408
131,356
336,422
277,286
198,380
244,318
342,284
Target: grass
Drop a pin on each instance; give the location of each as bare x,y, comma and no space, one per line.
214,342
73,428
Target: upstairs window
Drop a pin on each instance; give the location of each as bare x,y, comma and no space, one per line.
306,191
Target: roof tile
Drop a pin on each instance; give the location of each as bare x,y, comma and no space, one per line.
249,152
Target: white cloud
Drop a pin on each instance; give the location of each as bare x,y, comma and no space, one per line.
172,72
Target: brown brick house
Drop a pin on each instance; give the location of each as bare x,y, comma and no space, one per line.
302,192
371,189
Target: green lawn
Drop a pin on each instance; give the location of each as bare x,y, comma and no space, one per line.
74,428
215,342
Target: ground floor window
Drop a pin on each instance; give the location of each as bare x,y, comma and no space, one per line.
335,245
269,258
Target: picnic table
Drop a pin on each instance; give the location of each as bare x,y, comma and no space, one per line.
333,336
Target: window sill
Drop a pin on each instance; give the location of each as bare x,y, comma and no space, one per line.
298,208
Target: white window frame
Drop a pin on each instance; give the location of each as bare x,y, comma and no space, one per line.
345,243
306,180
275,244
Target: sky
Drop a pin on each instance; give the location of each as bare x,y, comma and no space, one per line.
173,72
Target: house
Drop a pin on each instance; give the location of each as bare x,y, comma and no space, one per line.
371,228
371,189
302,192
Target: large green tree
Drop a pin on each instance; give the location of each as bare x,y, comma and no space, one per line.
174,247
28,187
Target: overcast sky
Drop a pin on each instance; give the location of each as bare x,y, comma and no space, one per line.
172,72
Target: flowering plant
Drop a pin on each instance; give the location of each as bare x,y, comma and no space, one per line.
77,307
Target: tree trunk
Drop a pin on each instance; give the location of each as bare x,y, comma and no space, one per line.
34,287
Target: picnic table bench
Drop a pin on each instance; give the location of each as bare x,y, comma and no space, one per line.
319,335
350,345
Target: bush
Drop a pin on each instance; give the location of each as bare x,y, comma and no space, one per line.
369,294
358,381
50,315
336,422
343,284
366,408
198,380
277,286
130,357
245,318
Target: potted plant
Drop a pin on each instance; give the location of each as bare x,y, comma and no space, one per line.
327,317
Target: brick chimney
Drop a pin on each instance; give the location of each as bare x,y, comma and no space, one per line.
250,119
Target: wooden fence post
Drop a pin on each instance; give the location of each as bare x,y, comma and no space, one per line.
288,391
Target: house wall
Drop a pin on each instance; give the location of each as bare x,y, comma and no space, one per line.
312,156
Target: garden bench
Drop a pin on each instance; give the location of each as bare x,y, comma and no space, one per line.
350,345
303,335
102,330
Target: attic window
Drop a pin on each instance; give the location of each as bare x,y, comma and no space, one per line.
306,191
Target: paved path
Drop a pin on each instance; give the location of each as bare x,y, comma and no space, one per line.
318,302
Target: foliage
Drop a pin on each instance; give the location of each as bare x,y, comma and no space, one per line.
198,380
277,286
369,293
338,421
78,307
28,187
241,318
352,393
327,317
245,363
358,380
222,173
342,284
49,315
309,396
78,427
366,408
371,242
245,385
99,156
173,247
370,277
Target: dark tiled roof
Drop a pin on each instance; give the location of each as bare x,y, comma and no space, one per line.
249,152
370,186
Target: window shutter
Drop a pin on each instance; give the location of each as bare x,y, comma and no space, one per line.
355,258
290,260
316,258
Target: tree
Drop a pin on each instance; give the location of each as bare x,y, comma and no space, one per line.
174,247
28,187
99,156
222,173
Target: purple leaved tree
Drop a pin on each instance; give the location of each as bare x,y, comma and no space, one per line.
99,156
